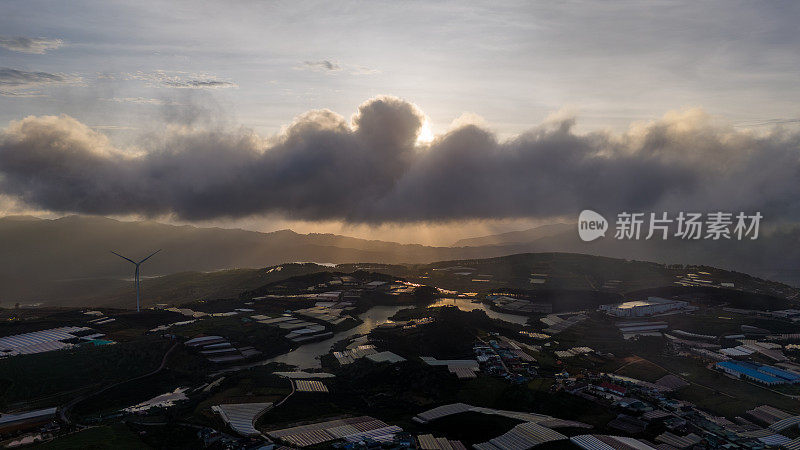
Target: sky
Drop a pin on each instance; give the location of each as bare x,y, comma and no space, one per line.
411,121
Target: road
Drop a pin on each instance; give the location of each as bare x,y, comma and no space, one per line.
285,398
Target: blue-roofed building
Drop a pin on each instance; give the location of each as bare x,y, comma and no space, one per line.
759,373
789,377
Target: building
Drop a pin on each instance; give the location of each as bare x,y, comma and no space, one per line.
643,308
242,416
763,374
377,285
26,420
791,314
351,429
44,341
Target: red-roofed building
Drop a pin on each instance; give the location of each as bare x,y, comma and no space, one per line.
614,388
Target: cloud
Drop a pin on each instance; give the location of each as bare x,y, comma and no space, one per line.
112,127
321,66
769,122
468,118
30,45
334,67
361,70
181,80
142,101
369,169
21,83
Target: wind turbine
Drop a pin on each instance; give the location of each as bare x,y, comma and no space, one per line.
136,274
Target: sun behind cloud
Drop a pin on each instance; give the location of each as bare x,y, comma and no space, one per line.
425,135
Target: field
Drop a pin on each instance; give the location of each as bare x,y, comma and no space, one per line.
267,339
254,385
648,359
471,428
717,322
639,368
44,379
597,332
713,390
116,436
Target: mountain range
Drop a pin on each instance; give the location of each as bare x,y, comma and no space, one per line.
46,260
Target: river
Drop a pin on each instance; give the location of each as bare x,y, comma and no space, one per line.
466,304
307,356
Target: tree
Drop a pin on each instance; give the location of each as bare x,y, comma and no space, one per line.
425,294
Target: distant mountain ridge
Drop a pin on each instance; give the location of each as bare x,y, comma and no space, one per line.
39,258
775,255
38,254
517,237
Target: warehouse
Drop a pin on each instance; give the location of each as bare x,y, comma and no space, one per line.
760,373
643,308
788,377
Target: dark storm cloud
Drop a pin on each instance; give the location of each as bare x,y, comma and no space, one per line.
371,170
29,45
681,162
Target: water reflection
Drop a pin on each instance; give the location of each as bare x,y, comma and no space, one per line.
466,304
306,356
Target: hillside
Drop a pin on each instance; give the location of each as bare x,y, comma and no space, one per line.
65,260
775,255
40,259
518,237
565,277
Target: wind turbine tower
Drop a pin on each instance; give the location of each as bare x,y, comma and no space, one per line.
136,273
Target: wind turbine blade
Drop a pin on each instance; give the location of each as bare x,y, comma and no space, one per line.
128,259
151,255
